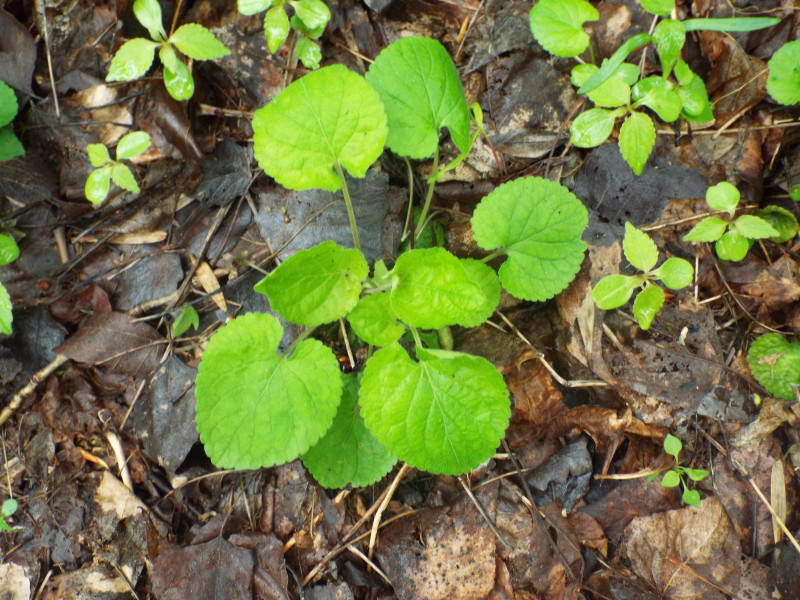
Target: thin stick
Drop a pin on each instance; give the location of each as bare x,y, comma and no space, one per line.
42,9
343,329
369,562
482,511
28,389
428,197
351,215
376,522
119,454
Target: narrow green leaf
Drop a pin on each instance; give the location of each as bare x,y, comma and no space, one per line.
10,146
327,117
753,227
733,24
612,291
675,273
97,185
732,246
8,104
558,25
539,224
647,304
446,413
148,13
709,229
661,8
639,248
775,363
691,497
313,13
185,320
614,61
98,154
783,83
671,479
308,52
177,77
123,177
696,474
637,136
317,285
669,36
723,197
660,95
197,42
672,445
6,316
613,92
132,60
251,7
784,222
592,127
374,322
132,144
257,408
348,453
9,251
422,93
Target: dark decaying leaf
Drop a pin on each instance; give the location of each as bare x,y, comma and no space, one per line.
226,173
504,26
17,53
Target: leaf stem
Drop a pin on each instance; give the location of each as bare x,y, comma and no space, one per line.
428,196
417,339
351,215
298,340
492,256
407,224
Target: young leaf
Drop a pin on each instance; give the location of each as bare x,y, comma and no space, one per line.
671,479
97,185
123,177
313,13
783,83
132,60
251,7
614,61
592,127
732,246
10,146
148,13
672,445
8,104
177,77
612,291
9,251
696,474
613,92
637,136
348,453
647,304
753,227
432,289
662,8
692,89
709,229
185,320
486,280
639,248
538,223
775,363
9,507
723,197
132,144
660,95
732,24
675,273
784,222
257,408
197,42
6,316
309,53
691,497
317,285
446,413
669,36
98,154
794,193
276,28
558,25
421,91
373,321
328,117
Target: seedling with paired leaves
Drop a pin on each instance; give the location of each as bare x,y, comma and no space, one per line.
10,146
678,474
783,83
733,237
7,511
185,320
98,183
9,252
617,88
309,21
440,410
135,56
612,291
775,363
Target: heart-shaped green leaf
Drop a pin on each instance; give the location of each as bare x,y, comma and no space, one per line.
732,246
313,13
647,304
97,185
783,82
723,196
675,273
775,363
558,25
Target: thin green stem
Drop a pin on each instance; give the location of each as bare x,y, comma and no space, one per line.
297,341
445,338
407,224
351,215
428,196
417,339
492,256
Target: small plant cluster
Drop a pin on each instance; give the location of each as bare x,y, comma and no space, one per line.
612,291
135,56
678,474
775,363
618,89
436,409
98,183
7,511
10,146
309,21
733,237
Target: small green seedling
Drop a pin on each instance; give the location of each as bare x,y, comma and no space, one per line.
775,363
7,510
9,252
185,320
612,291
135,56
678,474
309,21
10,146
783,83
617,88
794,192
732,237
107,170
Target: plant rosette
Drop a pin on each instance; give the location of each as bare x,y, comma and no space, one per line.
106,170
678,475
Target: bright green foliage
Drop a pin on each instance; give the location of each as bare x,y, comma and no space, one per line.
732,246
709,229
614,91
98,183
697,108
783,221
317,285
256,407
732,24
660,95
421,91
445,413
637,136
10,146
486,280
8,509
592,127
6,316
185,320
612,291
373,321
753,227
794,193
135,56
658,7
324,119
723,196
678,474
308,52
558,25
348,453
538,224
276,28
775,363
669,36
609,66
9,251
